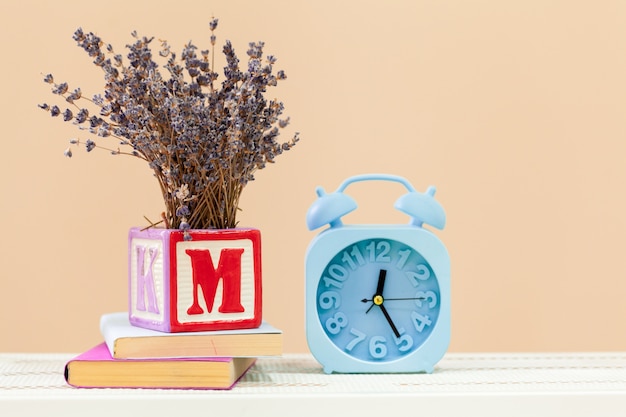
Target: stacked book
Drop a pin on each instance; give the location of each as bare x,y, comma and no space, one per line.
134,357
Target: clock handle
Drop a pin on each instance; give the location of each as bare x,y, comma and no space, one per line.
375,177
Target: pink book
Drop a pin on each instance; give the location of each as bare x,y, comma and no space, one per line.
96,368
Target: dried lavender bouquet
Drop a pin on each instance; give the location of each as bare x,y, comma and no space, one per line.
203,139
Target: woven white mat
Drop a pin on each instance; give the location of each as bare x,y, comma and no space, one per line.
43,373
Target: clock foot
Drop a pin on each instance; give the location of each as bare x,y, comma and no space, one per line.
328,370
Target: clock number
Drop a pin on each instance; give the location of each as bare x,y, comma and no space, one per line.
372,250
379,252
404,255
404,342
356,254
422,274
384,247
329,299
338,274
420,321
358,338
378,349
336,323
332,283
426,295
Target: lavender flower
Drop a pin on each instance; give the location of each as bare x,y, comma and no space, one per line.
81,116
90,145
203,140
60,89
75,95
67,115
182,211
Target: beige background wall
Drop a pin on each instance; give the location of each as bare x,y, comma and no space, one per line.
515,110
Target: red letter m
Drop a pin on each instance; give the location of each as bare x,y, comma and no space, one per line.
207,276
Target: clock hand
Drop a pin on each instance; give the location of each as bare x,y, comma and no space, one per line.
381,282
378,300
378,296
393,326
365,300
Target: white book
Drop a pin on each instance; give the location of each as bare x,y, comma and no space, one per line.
126,341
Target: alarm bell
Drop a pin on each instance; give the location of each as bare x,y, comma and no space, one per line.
423,208
328,209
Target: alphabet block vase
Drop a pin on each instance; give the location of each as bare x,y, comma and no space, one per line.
211,282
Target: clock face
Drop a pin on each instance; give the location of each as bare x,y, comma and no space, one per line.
378,300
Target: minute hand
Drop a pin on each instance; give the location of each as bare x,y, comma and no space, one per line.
381,282
393,326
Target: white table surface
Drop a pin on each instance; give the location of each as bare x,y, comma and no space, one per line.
496,384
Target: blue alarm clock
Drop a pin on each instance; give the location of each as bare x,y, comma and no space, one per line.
377,295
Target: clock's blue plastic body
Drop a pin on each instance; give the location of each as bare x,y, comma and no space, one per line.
422,209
